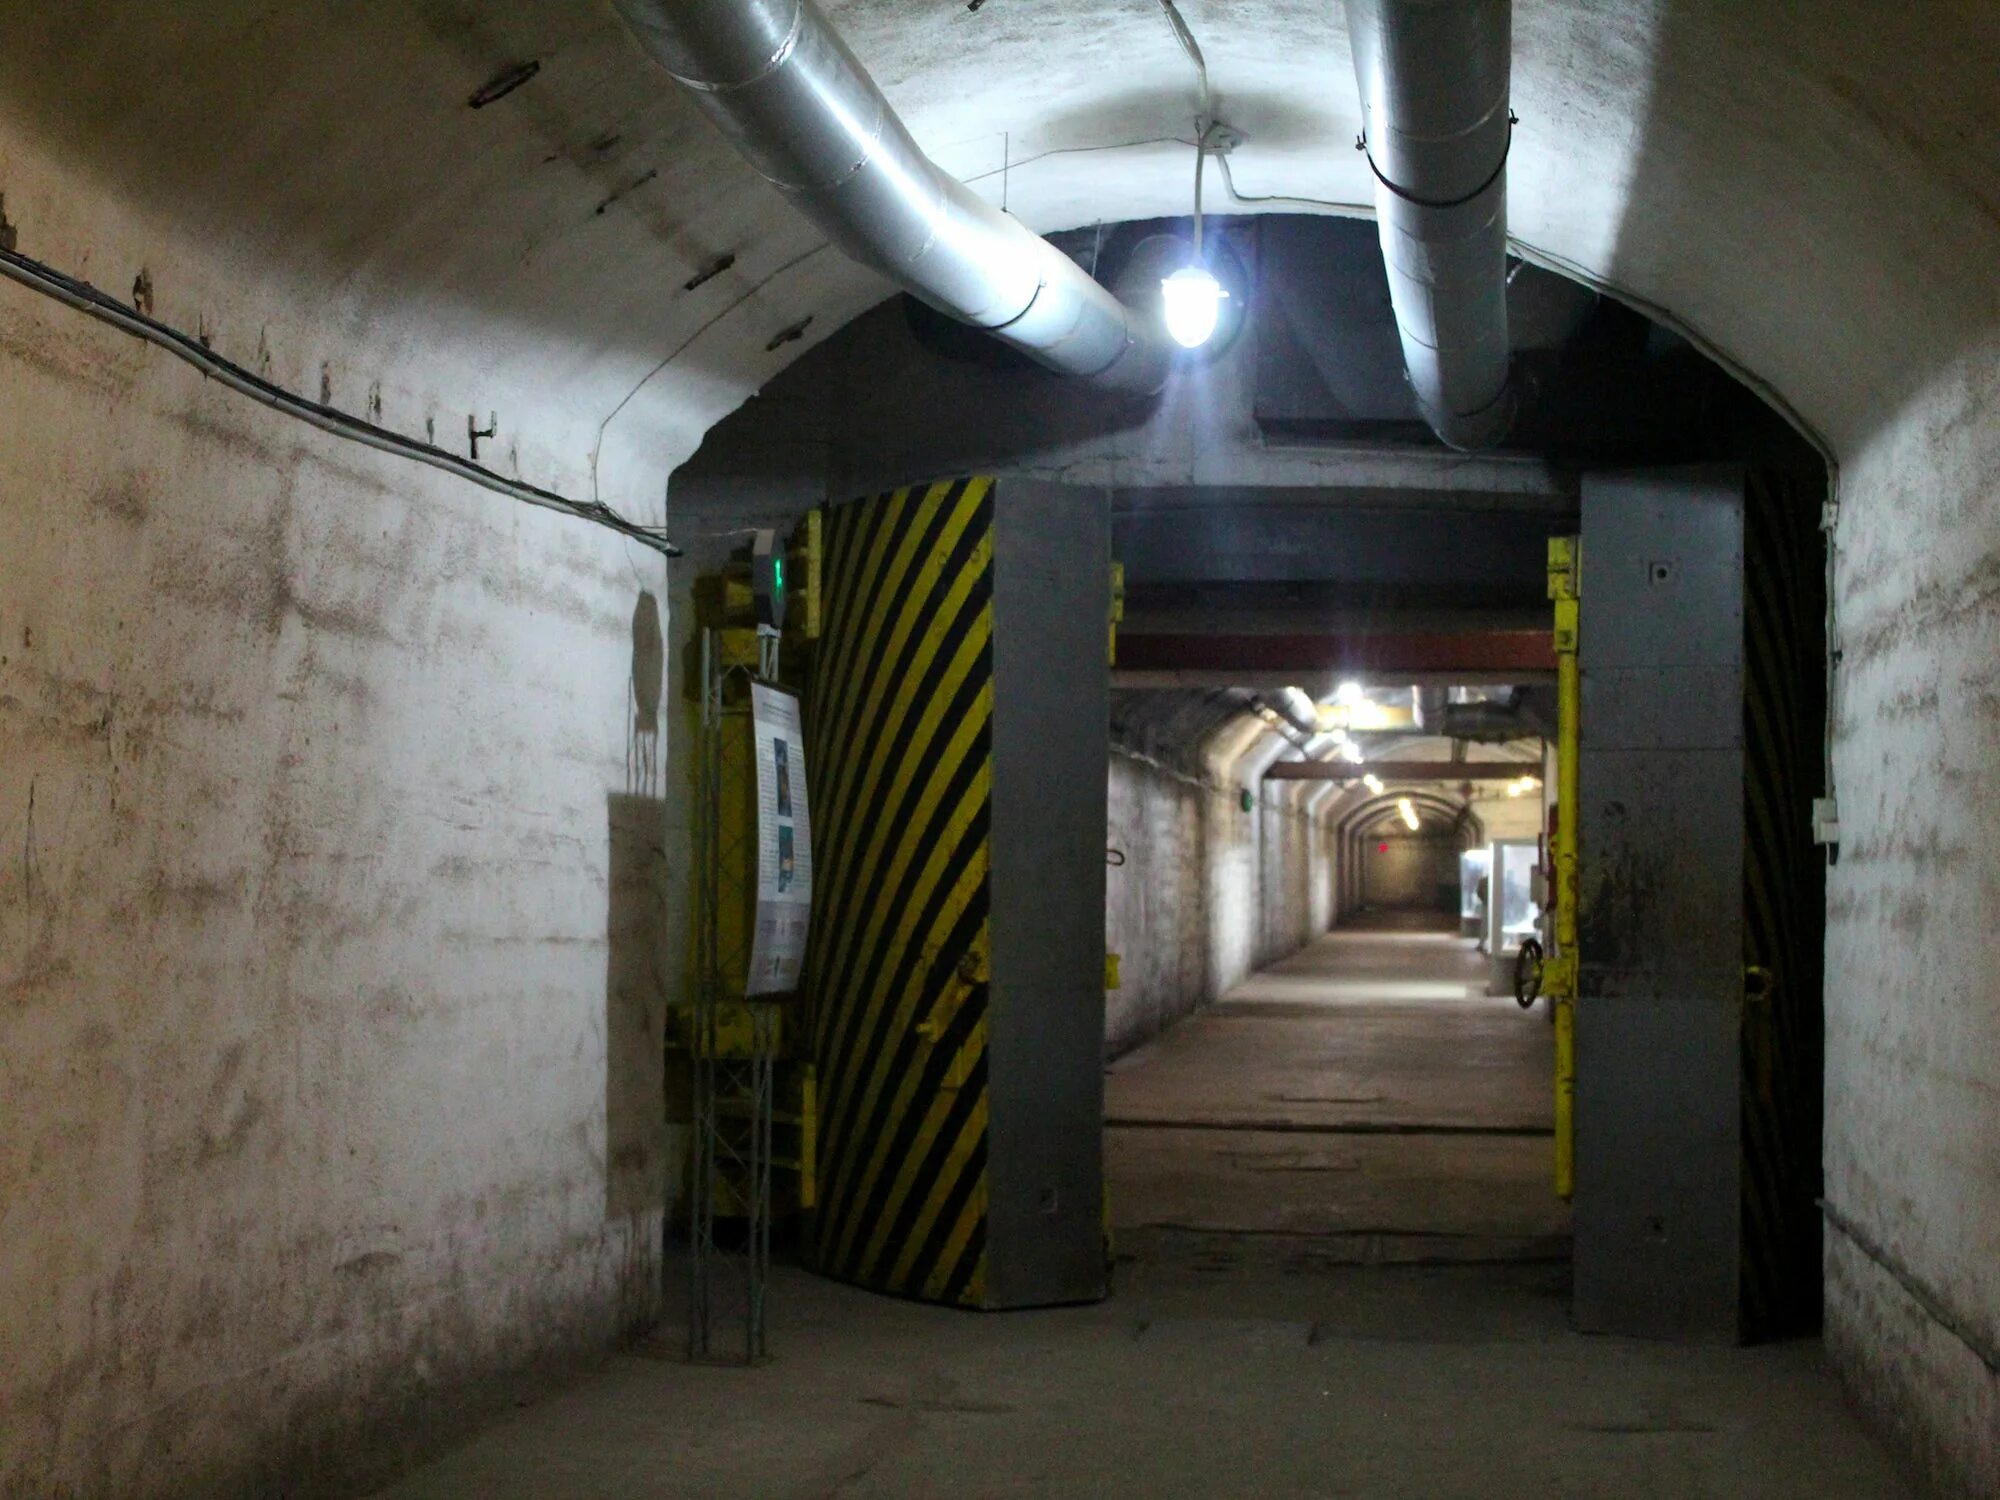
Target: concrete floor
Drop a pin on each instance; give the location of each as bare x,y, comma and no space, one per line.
1318,1294
1366,1092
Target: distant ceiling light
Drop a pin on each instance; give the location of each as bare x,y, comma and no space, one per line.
1351,753
1373,783
1409,813
1191,301
1522,787
1349,693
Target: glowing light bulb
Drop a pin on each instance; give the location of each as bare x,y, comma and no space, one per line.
1191,300
1373,783
1409,813
1348,693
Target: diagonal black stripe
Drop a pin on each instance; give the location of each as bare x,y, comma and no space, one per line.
891,738
953,1196
928,1182
875,692
889,518
856,891
879,525
848,1072
866,893
882,1129
892,520
893,585
888,966
960,1280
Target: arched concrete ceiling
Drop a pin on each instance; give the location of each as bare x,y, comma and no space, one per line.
1813,189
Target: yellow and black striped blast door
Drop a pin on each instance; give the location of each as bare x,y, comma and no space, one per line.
903,741
957,947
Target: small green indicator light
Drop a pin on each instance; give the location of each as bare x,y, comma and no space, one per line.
778,574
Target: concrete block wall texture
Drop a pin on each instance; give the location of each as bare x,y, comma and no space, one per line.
331,810
1210,892
1156,902
1913,964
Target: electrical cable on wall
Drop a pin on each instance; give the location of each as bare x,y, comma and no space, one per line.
86,298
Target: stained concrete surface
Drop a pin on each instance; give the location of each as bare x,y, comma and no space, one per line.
1383,1022
1243,1357
1366,1091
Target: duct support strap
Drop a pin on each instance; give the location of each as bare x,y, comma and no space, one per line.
1434,77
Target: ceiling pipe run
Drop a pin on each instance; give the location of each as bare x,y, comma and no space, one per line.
784,88
1434,80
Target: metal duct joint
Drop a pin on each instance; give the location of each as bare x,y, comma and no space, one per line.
784,88
1434,79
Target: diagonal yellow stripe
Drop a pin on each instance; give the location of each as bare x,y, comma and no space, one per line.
903,759
938,1189
877,523
898,598
969,1219
915,995
858,993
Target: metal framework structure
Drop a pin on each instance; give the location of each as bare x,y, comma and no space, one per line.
733,1043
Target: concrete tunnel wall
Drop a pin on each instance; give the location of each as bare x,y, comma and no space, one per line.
332,797
1210,891
318,1130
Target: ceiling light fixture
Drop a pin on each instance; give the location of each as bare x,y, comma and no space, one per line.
1373,783
1348,693
1191,301
1409,813
1191,298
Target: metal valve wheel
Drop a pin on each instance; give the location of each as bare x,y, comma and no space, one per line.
1528,972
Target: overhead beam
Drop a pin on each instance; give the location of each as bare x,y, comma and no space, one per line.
1398,656
1467,553
1176,678
1402,770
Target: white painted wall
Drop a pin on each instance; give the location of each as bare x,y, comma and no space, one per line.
330,1026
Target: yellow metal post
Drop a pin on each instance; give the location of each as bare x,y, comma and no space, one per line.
1117,610
1559,974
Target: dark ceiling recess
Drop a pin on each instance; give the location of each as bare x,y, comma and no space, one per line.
1599,382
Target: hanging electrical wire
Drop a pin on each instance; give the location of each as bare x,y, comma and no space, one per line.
1209,132
1192,48
88,299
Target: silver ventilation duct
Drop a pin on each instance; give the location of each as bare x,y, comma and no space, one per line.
1434,78
786,91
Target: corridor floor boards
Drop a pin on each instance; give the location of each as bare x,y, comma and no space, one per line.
1366,1092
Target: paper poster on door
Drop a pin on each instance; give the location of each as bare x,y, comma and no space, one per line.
784,844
